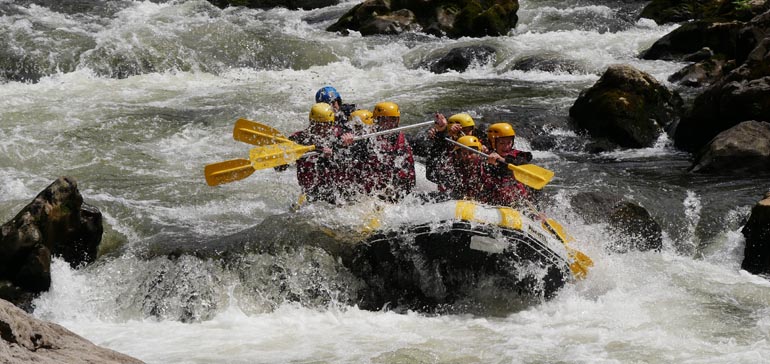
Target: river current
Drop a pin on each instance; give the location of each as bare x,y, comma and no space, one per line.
133,98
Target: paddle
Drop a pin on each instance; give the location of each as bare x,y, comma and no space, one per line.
254,133
273,155
227,171
267,155
528,174
580,262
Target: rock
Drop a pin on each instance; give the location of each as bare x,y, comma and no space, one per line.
744,148
28,340
721,38
699,74
626,106
460,58
453,18
55,223
268,4
677,11
741,95
637,230
550,62
756,255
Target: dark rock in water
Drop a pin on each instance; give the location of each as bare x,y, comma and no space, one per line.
721,38
626,106
744,148
25,339
547,63
55,223
452,18
268,4
756,255
677,11
699,74
459,59
637,230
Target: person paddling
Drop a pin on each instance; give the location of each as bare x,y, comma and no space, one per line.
389,171
318,173
500,186
329,95
437,168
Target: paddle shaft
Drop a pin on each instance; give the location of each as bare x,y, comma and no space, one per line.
389,131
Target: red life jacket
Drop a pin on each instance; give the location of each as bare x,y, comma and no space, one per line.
500,186
389,171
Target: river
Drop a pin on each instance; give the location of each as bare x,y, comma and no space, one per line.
133,98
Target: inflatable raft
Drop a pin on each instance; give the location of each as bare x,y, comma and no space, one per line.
438,253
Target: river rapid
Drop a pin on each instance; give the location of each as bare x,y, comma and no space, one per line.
133,98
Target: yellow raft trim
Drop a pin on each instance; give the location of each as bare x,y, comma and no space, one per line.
507,217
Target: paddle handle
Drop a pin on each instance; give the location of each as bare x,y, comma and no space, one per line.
467,147
389,131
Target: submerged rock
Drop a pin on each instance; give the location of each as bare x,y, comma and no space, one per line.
25,339
459,59
632,223
756,255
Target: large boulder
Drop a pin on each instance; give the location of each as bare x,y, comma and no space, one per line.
744,148
626,106
691,37
631,223
744,94
452,18
756,255
55,223
677,11
25,339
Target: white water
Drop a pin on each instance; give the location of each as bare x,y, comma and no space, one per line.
137,146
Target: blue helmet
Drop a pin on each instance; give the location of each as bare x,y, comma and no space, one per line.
328,94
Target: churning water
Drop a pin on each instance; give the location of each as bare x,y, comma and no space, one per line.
133,98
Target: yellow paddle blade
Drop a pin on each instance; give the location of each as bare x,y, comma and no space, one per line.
580,262
274,155
557,229
254,133
227,171
531,175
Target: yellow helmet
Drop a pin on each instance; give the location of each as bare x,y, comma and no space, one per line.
386,108
322,113
364,115
470,141
464,120
499,130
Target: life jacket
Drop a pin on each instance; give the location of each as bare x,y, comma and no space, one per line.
438,163
389,170
320,176
500,186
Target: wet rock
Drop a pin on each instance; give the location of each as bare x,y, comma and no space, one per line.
677,11
743,94
450,18
721,38
632,223
626,106
268,4
744,148
756,255
459,59
547,63
25,339
699,74
55,223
